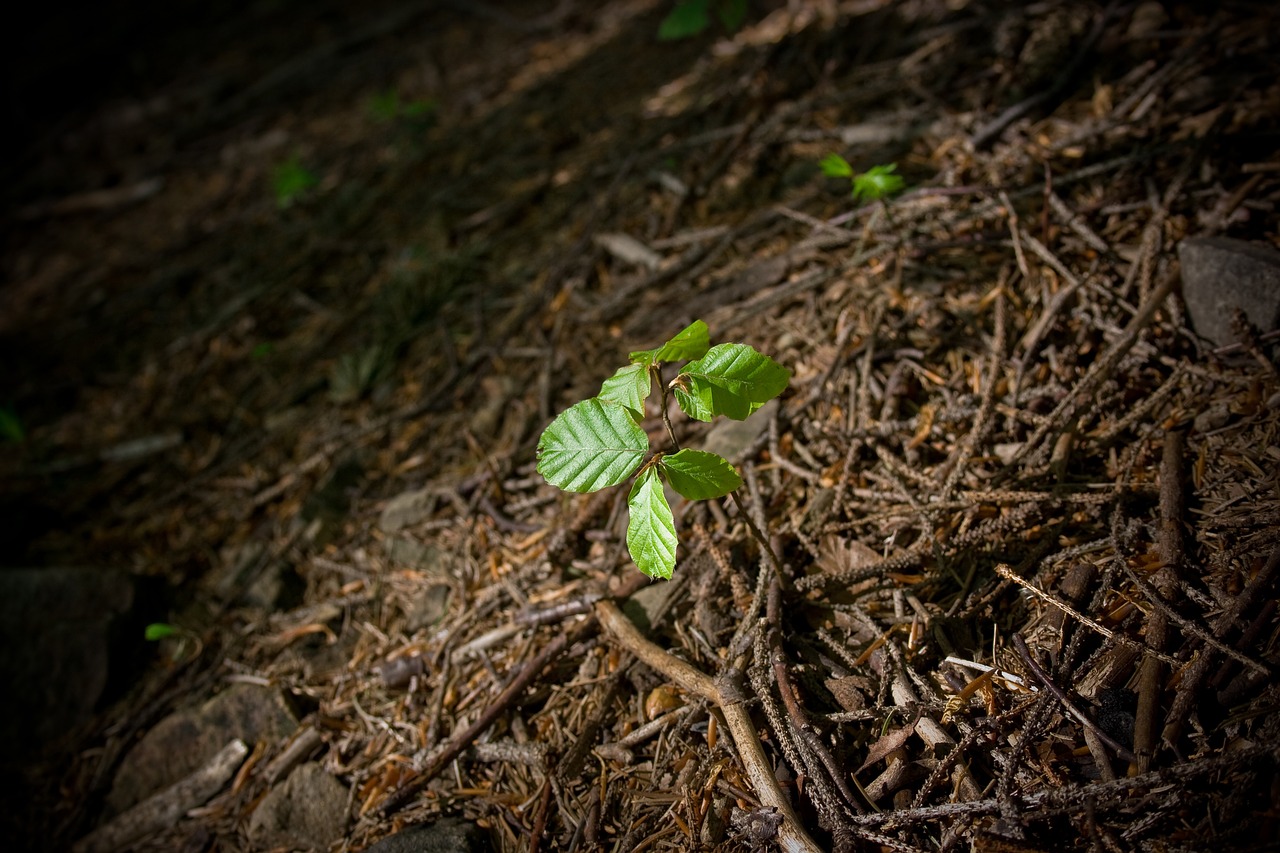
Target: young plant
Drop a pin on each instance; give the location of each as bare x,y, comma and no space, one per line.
876,183
598,442
11,426
691,17
291,180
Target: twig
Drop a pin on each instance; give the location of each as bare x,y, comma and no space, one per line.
1061,695
1050,803
1004,571
1098,372
1150,674
1255,589
167,807
791,834
401,797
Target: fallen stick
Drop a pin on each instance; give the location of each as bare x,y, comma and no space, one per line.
168,806
791,835
461,741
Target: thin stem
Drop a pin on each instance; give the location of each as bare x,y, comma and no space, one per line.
656,373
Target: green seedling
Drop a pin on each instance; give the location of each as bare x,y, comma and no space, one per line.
692,17
159,631
598,442
11,426
878,182
292,179
387,106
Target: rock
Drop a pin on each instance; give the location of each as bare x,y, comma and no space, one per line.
646,603
58,627
1219,275
446,835
407,509
731,439
309,811
430,605
185,740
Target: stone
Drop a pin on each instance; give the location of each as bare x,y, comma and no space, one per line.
430,605
646,603
446,835
1219,275
58,629
308,811
185,740
407,509
731,439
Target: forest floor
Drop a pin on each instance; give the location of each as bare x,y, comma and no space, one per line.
289,320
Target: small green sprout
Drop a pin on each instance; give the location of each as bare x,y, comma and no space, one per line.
692,17
11,426
598,442
387,106
159,631
292,179
876,183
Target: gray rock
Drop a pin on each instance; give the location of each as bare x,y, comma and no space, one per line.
309,811
407,509
646,603
430,605
1220,274
731,439
185,740
57,627
446,835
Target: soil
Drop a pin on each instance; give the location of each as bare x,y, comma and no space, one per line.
291,292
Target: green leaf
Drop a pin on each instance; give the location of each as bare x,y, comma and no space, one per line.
292,179
835,166
699,475
686,20
691,342
159,631
651,531
877,182
629,386
732,13
732,380
11,426
590,446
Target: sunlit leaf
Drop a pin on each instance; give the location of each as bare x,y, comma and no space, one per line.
699,475
590,446
691,342
629,386
835,166
159,631
877,183
651,531
732,380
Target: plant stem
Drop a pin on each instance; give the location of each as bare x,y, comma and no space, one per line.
666,414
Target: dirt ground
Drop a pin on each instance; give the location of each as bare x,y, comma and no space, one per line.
290,293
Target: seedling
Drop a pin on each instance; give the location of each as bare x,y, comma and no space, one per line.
184,640
387,106
691,17
598,442
878,182
292,179
11,426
